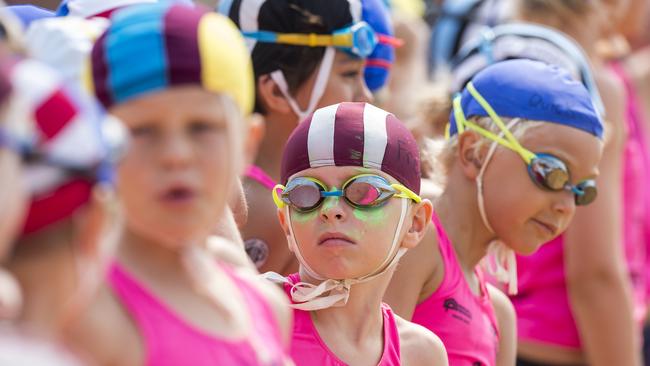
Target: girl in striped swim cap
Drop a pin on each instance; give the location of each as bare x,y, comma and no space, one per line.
523,151
306,54
349,207
180,79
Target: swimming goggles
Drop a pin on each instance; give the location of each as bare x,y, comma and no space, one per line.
359,39
364,191
545,170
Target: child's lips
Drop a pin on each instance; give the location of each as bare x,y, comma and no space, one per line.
178,195
335,239
550,228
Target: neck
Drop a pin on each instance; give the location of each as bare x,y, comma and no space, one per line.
269,157
47,277
149,257
457,209
360,319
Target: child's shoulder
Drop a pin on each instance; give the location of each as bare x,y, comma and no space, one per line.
104,332
418,345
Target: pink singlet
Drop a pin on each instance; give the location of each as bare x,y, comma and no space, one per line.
169,340
542,304
465,323
308,349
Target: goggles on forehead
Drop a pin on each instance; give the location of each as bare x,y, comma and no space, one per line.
364,191
359,39
114,140
545,170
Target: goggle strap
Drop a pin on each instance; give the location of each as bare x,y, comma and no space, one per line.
525,154
406,193
459,115
389,40
276,198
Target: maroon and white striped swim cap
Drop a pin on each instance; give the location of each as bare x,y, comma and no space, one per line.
354,134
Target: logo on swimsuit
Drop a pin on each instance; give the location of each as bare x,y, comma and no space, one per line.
460,312
257,250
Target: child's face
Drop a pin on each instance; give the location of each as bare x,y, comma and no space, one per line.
522,214
364,236
175,178
346,83
13,199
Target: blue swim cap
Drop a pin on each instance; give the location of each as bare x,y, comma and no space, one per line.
378,64
531,90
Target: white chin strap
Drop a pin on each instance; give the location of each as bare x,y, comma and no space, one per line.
331,292
318,89
500,261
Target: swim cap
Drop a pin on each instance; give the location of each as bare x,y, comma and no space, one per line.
354,134
528,41
27,13
380,61
531,90
94,8
66,145
152,47
64,43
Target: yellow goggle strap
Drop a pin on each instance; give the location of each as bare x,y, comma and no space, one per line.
514,144
315,40
276,198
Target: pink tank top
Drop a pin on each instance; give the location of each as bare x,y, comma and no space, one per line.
169,340
465,323
308,349
542,305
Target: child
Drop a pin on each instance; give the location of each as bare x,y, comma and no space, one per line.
70,224
553,127
565,316
349,208
164,71
293,78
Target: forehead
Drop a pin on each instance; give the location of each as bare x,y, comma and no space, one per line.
175,103
337,175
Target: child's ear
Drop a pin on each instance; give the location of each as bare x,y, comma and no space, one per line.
471,153
421,213
255,134
98,225
282,218
271,96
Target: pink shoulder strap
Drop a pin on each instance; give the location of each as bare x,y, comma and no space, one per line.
141,305
257,174
391,355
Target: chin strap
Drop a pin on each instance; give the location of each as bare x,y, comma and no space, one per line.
500,261
331,292
317,91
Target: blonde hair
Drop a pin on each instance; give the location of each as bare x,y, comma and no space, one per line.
440,153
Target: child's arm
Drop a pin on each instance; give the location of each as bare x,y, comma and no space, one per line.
418,274
507,322
419,346
597,280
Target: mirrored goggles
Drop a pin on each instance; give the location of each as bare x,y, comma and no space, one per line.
546,171
359,39
364,191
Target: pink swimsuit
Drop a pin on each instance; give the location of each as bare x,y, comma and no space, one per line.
543,311
169,340
465,323
308,349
